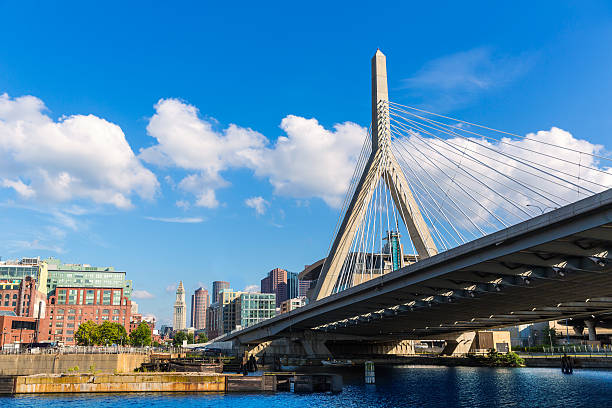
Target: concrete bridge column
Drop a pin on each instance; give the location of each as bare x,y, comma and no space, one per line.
592,332
314,345
459,345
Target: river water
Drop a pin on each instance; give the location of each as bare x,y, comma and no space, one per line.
400,386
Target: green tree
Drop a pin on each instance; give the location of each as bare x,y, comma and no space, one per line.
86,334
202,338
190,338
141,336
550,336
111,333
178,338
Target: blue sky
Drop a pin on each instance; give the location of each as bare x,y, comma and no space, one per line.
128,156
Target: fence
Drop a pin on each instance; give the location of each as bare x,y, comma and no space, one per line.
88,350
590,350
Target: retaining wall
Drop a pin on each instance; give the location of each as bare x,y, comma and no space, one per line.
141,382
27,364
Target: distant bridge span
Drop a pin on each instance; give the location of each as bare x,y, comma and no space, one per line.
551,267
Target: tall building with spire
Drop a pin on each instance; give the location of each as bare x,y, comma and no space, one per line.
180,309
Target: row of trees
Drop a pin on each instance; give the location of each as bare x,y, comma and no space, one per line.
109,333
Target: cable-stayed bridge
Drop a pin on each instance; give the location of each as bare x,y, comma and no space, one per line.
450,226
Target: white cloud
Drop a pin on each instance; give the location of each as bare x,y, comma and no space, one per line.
258,204
188,142
308,161
75,157
311,161
172,288
142,294
184,204
179,220
251,288
456,79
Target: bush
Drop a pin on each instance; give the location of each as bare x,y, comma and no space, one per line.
495,359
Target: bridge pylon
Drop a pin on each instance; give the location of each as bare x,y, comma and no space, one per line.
381,164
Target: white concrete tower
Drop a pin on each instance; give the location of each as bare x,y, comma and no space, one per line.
381,164
180,309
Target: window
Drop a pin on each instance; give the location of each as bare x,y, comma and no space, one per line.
58,331
70,325
71,317
115,311
61,296
105,311
14,296
116,297
106,297
104,317
89,297
69,339
59,317
69,331
116,318
60,311
72,296
59,324
71,311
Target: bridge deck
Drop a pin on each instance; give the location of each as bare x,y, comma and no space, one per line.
554,266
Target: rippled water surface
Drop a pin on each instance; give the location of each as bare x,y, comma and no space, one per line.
404,386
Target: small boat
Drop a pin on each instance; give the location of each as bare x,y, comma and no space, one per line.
289,367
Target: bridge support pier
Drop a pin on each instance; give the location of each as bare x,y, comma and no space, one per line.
459,345
590,324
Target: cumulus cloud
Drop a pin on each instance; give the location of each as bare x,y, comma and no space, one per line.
258,204
142,294
179,220
75,157
311,161
171,288
251,289
186,141
307,161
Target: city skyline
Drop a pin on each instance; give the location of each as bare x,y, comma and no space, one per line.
115,186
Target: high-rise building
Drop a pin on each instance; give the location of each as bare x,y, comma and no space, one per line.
217,287
199,306
293,288
252,308
180,309
304,286
276,282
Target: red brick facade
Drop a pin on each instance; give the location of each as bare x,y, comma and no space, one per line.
69,307
20,296
17,329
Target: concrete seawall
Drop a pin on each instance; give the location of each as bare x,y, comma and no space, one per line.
28,364
145,382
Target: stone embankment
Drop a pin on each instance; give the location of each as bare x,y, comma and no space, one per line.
168,382
28,364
